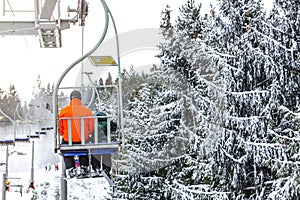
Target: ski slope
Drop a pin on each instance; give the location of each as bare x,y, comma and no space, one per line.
46,178
47,186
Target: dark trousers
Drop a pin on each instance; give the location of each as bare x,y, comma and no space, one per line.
106,162
69,160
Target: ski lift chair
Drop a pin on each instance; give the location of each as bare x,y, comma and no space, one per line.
95,145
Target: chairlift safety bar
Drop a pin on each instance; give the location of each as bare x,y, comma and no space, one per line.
95,144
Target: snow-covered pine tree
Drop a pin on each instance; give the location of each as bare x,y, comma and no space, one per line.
189,20
238,166
9,101
183,49
283,39
130,81
172,43
105,98
152,119
256,152
284,32
166,19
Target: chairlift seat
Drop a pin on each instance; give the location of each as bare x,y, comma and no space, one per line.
100,148
46,128
33,136
6,141
40,132
22,139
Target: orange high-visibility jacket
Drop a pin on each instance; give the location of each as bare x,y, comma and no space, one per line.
75,109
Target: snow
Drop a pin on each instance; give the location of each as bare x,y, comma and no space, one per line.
47,180
47,186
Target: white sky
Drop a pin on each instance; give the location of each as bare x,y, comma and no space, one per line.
22,60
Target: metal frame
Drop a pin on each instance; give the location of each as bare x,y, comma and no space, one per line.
55,93
90,145
107,14
44,25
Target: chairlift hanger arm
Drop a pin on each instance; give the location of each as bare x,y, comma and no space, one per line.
43,25
48,9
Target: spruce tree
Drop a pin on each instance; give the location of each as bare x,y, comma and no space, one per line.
184,51
237,167
9,102
153,115
283,37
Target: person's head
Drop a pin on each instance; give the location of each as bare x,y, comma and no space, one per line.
75,94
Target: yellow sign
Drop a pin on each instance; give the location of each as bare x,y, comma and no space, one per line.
102,60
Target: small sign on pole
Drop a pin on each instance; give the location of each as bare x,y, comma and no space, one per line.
102,61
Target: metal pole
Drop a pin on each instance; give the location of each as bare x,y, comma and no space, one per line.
58,13
5,176
82,43
120,79
15,121
31,182
4,187
27,128
36,11
63,182
3,7
15,124
6,161
32,162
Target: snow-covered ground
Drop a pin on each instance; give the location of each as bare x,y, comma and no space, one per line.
47,180
47,187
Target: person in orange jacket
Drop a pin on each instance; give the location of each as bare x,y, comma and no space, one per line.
75,109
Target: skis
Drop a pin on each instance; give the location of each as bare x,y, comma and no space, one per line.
82,172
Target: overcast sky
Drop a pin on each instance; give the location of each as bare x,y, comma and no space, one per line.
22,60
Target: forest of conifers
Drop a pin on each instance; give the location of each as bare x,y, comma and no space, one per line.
219,118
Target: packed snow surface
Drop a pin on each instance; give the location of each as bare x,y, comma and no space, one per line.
47,179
